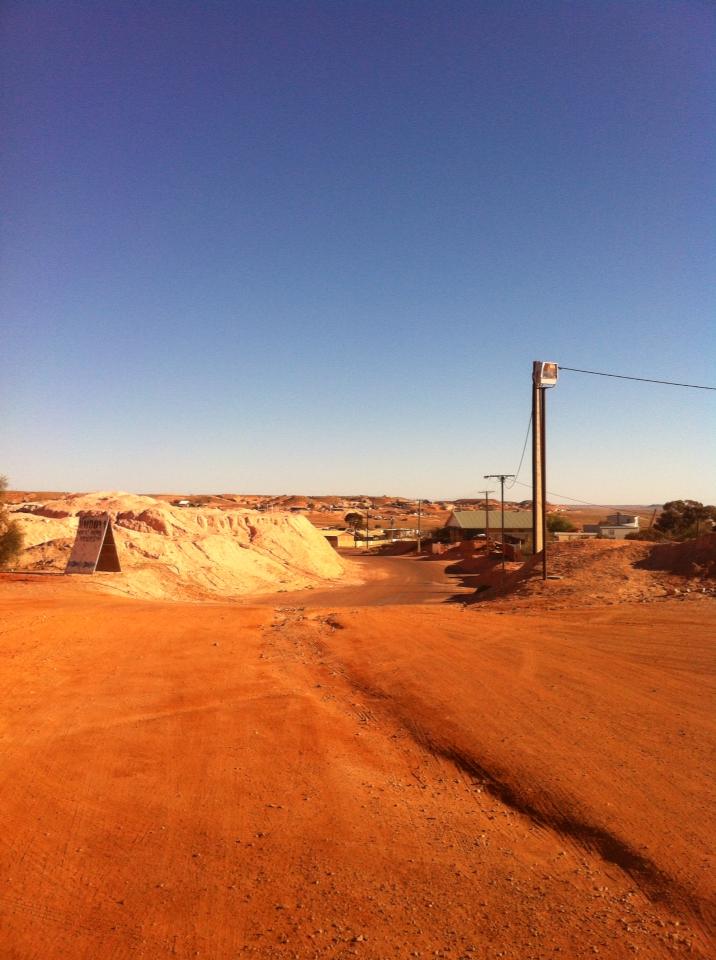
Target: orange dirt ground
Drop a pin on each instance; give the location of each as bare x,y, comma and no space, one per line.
307,779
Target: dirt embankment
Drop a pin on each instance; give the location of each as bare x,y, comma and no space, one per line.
182,553
596,572
693,559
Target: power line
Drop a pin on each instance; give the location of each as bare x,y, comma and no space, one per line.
553,493
524,448
621,376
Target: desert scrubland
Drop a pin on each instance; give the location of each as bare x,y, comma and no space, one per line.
380,763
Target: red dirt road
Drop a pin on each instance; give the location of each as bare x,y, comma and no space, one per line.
387,581
220,781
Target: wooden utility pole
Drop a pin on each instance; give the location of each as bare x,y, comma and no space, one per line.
544,375
501,477
539,490
420,503
487,513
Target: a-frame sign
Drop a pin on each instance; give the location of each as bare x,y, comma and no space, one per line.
94,548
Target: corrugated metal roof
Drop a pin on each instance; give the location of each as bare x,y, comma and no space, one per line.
475,519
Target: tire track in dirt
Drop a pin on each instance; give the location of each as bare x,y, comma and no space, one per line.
657,885
440,761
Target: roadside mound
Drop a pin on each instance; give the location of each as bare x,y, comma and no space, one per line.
182,553
692,558
595,572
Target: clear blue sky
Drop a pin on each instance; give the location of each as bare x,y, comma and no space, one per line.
315,246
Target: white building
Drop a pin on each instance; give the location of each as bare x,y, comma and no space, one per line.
615,527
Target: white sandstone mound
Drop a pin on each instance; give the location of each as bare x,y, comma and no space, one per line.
183,553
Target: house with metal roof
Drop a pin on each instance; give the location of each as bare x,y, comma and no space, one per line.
468,524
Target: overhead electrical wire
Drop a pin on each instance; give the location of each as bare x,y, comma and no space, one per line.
522,457
621,376
553,493
594,373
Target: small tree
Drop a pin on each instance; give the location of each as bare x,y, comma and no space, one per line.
10,533
685,519
558,523
440,535
354,519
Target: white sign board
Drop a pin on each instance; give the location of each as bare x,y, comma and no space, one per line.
94,547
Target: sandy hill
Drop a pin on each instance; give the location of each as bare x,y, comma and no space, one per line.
182,553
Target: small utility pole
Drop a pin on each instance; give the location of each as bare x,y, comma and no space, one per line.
420,503
501,477
367,515
487,513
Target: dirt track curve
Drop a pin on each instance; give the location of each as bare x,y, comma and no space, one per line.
386,581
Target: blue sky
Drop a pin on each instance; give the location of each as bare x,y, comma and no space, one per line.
315,246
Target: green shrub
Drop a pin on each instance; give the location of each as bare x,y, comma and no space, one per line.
10,533
558,523
648,534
